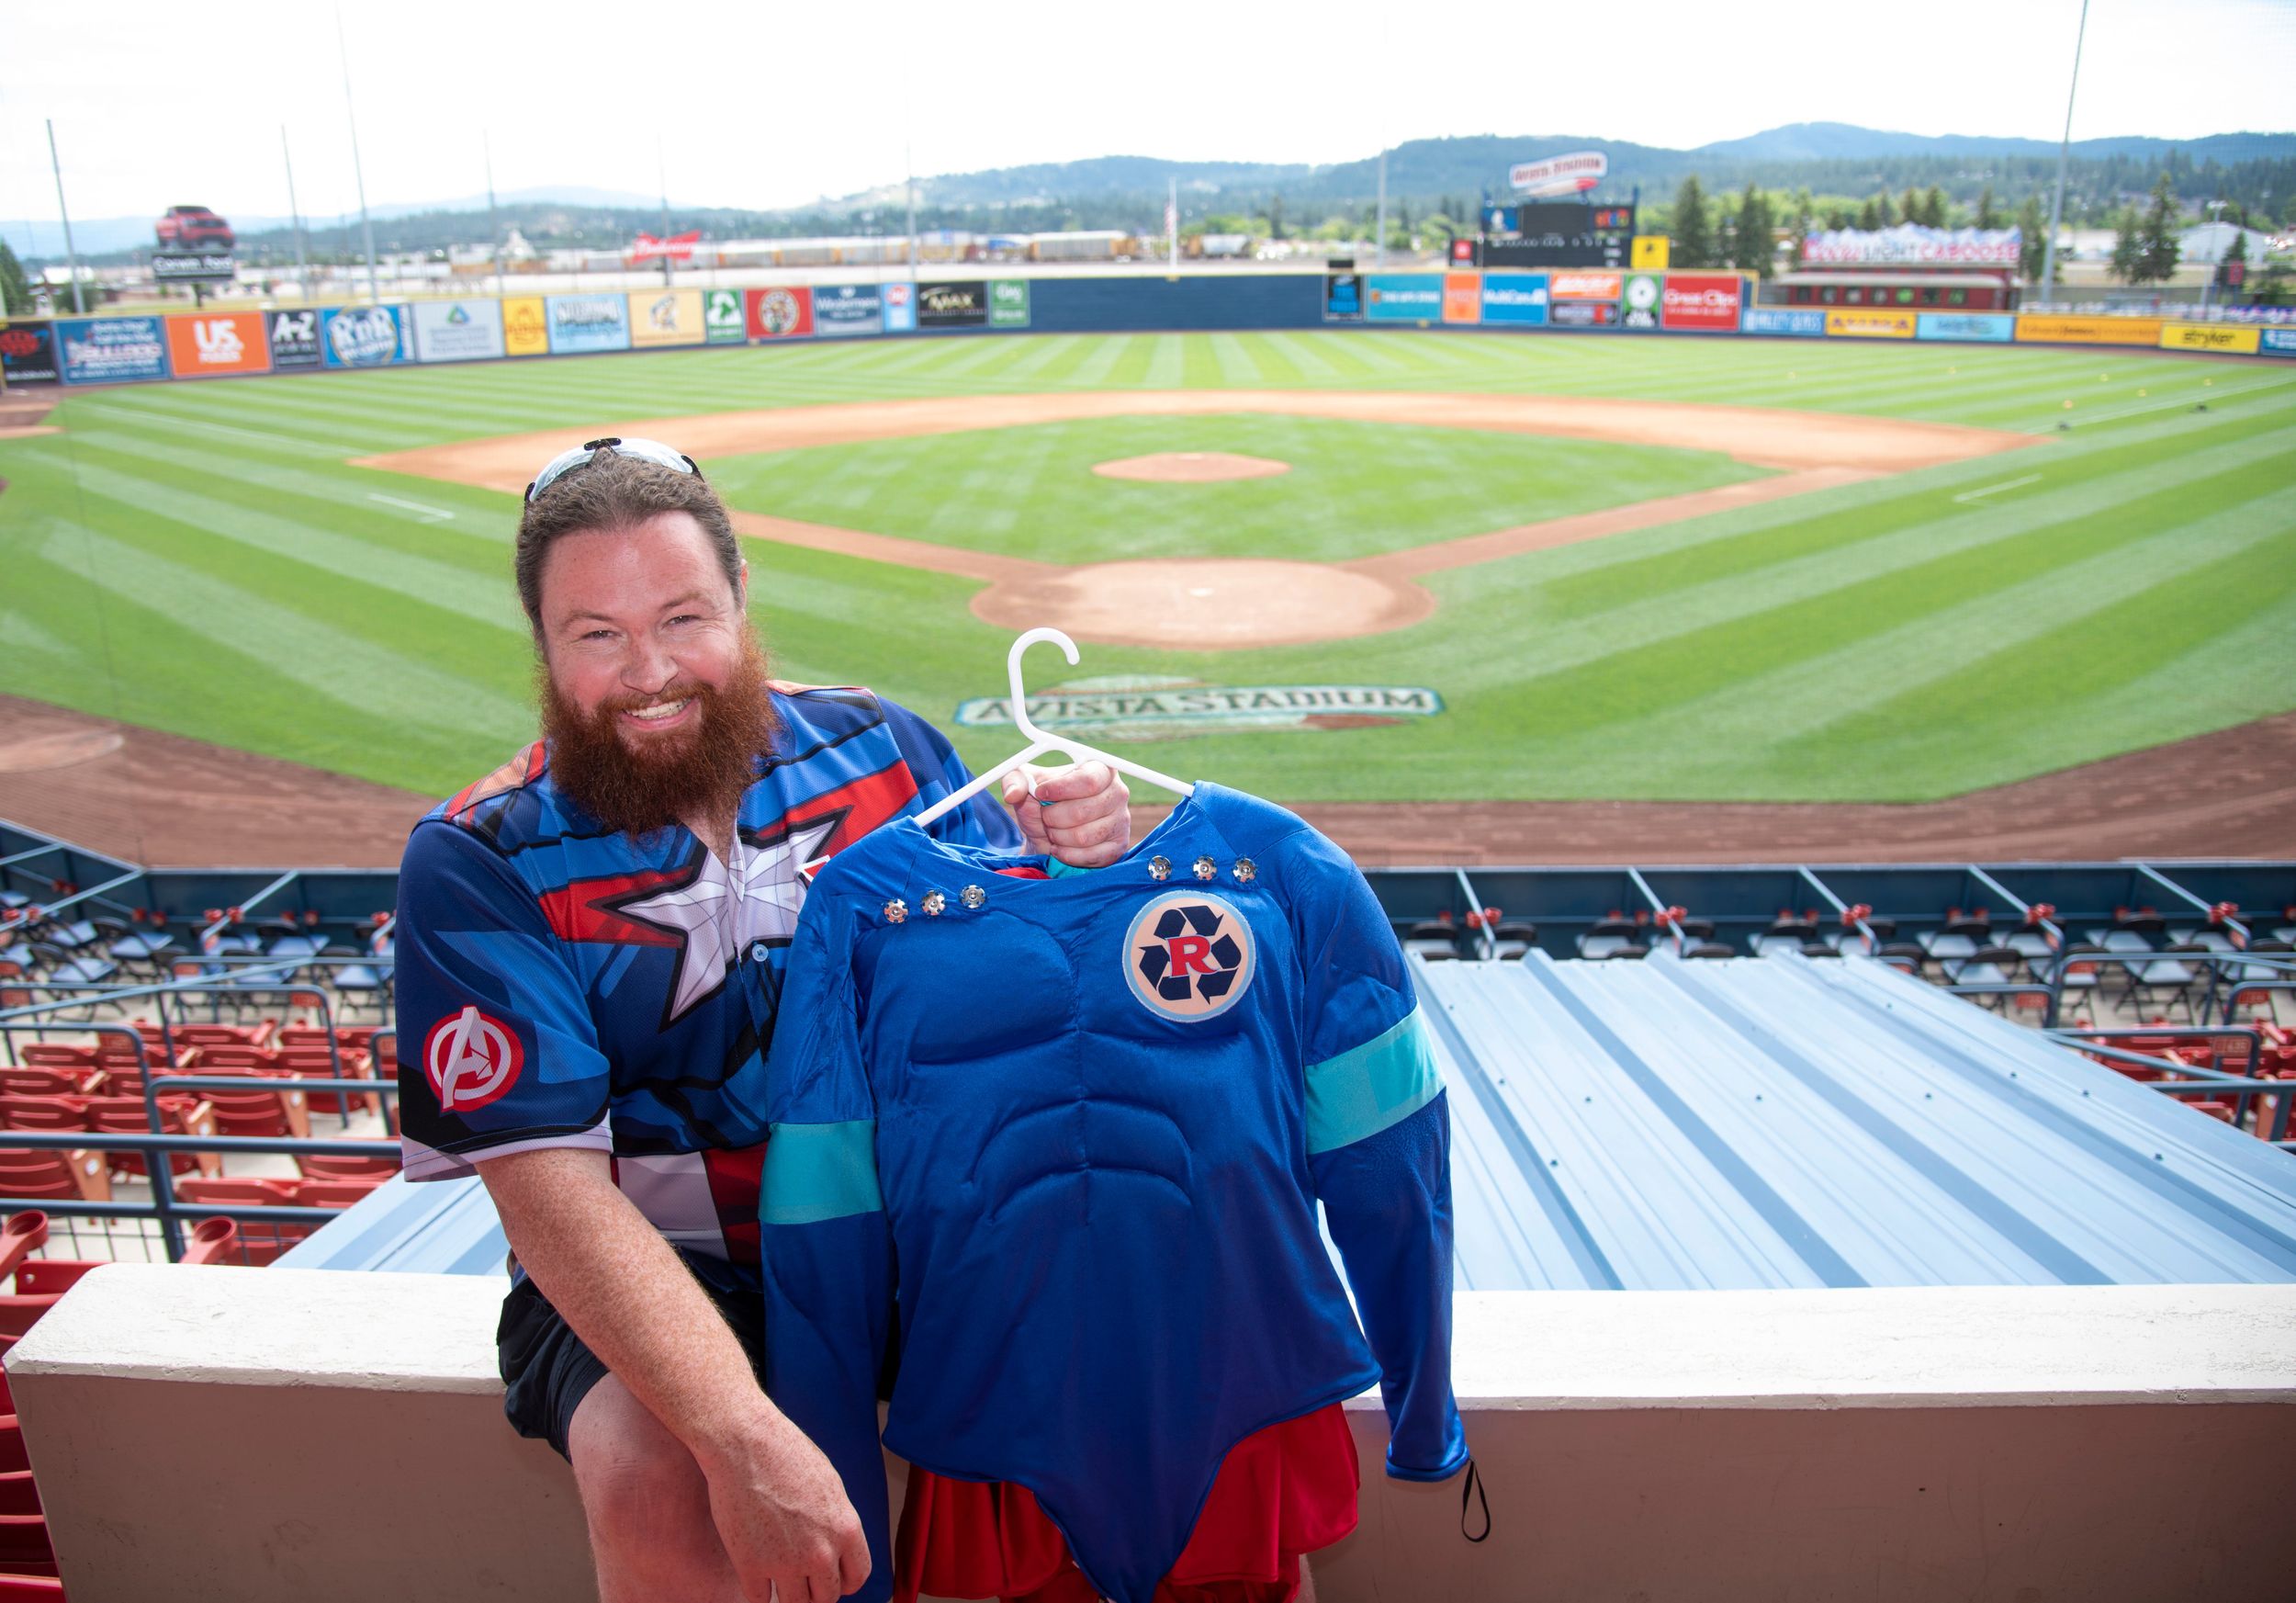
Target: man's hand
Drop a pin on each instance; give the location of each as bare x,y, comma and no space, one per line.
780,1511
1079,814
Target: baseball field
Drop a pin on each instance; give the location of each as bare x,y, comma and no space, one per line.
1653,568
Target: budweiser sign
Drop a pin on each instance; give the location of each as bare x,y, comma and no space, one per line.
1572,174
1911,245
678,247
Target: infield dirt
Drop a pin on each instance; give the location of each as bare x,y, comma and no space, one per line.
1236,604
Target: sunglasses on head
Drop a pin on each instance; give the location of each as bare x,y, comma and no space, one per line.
583,455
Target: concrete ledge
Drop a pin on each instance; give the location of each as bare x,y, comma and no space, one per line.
281,1434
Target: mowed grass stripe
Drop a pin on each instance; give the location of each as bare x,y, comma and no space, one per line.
1545,638
1820,702
1915,507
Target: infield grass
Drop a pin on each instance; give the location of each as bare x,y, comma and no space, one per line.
1354,488
199,558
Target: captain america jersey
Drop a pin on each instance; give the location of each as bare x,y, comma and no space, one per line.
1056,1145
563,984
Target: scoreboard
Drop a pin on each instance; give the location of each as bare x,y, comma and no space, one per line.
1564,234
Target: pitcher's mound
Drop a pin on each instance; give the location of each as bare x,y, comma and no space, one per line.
1191,467
1205,603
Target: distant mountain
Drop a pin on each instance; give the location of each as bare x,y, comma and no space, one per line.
1837,142
1839,160
101,236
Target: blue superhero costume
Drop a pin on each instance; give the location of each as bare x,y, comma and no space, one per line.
560,984
1075,1130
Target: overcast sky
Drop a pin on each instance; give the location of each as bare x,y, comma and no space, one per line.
770,104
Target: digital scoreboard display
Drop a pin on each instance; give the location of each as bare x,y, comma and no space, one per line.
1564,234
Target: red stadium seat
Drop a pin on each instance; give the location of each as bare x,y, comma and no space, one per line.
30,1589
179,1116
18,1495
18,1315
52,1114
333,1193
50,1082
260,1241
24,1548
319,1165
314,1063
77,1176
251,1113
56,1054
50,1277
12,1453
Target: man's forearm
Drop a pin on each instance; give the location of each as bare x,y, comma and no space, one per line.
620,1286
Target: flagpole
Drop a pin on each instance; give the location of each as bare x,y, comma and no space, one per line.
71,256
1172,223
366,222
661,168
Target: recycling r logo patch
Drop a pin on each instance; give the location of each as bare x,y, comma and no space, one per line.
1188,955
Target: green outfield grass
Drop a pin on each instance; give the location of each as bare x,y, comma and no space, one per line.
1355,489
199,558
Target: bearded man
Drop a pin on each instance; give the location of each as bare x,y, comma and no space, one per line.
589,956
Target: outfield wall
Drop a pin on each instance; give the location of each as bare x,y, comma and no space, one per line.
225,343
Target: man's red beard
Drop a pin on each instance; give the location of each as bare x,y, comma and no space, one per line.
699,771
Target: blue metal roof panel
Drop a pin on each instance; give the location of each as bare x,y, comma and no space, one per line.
1786,1123
436,1227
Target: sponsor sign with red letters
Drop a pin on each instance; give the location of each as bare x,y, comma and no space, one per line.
1707,301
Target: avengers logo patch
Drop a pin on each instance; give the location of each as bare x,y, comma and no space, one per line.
471,1060
1188,955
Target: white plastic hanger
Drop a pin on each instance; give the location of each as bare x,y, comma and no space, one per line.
1041,740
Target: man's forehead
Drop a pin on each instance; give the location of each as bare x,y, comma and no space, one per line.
641,564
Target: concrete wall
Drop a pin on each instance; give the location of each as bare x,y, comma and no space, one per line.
274,1434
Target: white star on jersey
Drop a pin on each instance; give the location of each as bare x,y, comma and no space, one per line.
722,909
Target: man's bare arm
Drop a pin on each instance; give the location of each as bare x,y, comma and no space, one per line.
779,1507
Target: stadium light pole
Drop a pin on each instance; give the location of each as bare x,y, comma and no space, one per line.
294,215
661,173
366,222
71,256
494,221
1378,245
2064,149
908,161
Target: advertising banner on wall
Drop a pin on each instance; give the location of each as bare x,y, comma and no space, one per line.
2225,338
525,326
1584,286
900,300
203,342
1008,303
1803,321
1343,298
1703,302
665,317
724,322
848,308
1403,296
1911,245
588,322
457,330
1582,314
961,305
27,353
1514,297
1992,328
1650,253
293,337
2090,331
365,336
112,350
2278,341
782,312
1639,296
1462,298
1882,323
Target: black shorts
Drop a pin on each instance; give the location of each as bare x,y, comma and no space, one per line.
547,1370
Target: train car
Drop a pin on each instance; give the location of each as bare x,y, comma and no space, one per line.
1931,291
1100,244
